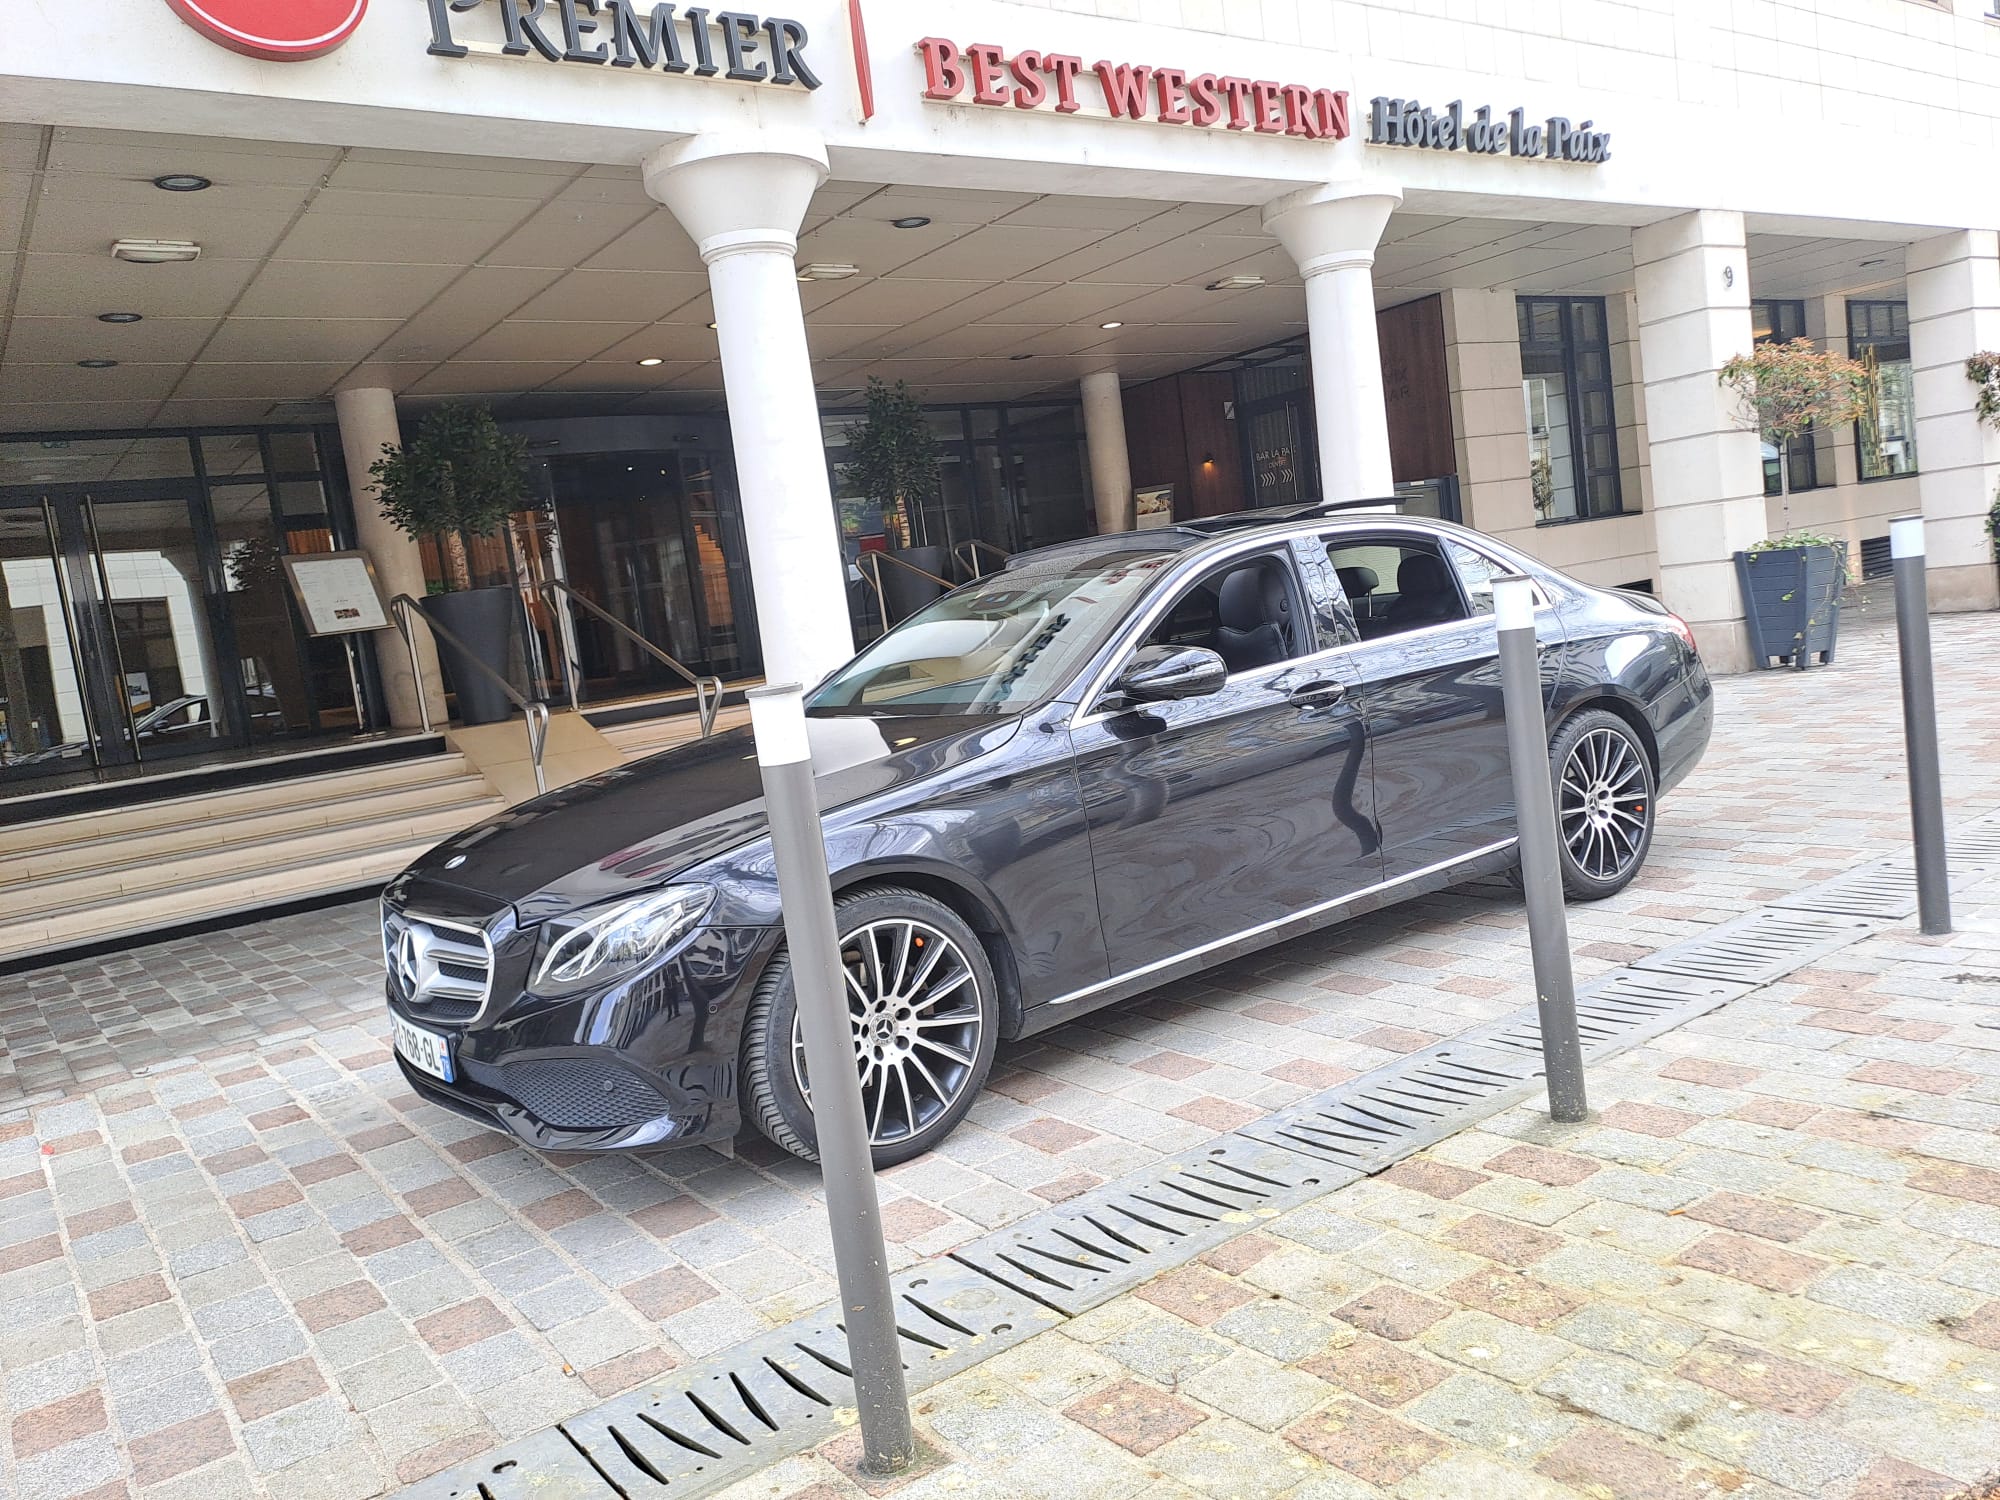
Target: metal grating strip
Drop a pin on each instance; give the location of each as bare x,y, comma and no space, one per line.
1760,945
1088,1250
700,1428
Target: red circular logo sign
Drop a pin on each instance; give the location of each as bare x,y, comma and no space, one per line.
276,30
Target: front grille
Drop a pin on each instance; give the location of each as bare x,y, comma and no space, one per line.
441,971
574,1093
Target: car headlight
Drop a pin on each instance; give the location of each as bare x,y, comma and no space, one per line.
606,941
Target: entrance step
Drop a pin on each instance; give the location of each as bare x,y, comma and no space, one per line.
642,737
89,878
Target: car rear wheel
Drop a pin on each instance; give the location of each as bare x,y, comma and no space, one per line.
1605,804
924,1012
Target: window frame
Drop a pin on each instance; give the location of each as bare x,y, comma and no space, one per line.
1566,348
1402,541
1856,342
1785,320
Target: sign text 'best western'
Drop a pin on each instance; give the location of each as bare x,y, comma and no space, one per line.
984,73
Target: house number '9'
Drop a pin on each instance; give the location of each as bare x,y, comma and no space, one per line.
1729,276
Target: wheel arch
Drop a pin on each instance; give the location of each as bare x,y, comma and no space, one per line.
1629,709
975,907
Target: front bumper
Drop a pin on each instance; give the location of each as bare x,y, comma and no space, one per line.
648,1061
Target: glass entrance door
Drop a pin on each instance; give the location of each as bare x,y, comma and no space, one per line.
110,624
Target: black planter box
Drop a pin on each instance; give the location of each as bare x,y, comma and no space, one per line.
484,620
1791,598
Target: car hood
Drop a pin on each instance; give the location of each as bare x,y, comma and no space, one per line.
637,827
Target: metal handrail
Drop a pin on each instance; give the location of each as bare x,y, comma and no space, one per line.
966,554
707,690
534,716
874,576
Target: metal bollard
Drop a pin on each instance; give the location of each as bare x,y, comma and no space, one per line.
1913,644
860,1259
1541,867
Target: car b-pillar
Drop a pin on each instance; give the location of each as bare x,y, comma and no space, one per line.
1331,231
741,197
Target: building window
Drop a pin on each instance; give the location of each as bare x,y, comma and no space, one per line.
1779,322
1878,334
1572,420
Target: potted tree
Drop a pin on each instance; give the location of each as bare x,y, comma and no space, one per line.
459,477
892,459
1792,582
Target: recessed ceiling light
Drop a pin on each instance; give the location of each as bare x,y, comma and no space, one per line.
827,270
97,364
118,317
711,326
1236,283
181,182
155,252
652,359
1020,356
1111,325
913,221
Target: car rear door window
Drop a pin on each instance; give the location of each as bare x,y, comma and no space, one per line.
1396,584
1476,572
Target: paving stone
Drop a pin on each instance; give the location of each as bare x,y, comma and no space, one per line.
1893,1298
1469,1409
1378,1371
1494,1346
1392,1312
1163,1349
1136,1416
1628,1394
1600,1462
1368,1444
1274,1326
1611,1329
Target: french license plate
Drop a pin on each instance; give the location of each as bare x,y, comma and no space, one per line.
420,1048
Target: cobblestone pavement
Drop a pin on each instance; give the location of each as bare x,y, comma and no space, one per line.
266,1267
1769,1265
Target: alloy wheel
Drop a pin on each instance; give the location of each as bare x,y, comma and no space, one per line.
913,1003
1603,804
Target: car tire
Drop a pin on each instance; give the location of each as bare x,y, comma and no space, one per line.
932,1025
1606,803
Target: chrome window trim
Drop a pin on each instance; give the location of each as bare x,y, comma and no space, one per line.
1305,913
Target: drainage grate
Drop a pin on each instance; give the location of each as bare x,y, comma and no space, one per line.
1624,1007
713,1423
1759,946
1085,1251
1882,889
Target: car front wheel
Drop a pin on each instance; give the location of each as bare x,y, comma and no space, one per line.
1605,804
923,1010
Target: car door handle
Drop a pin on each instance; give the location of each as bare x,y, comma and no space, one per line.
1317,693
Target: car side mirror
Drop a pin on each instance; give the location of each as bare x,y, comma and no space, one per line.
1160,674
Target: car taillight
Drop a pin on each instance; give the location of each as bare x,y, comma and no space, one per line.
1681,629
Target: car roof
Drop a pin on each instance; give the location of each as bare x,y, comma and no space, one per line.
1210,531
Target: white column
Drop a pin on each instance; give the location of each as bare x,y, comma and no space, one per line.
1693,282
741,198
1332,232
1110,459
1953,284
367,426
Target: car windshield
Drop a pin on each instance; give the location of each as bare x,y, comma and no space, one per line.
999,644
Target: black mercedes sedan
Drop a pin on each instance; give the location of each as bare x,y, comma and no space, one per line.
1113,763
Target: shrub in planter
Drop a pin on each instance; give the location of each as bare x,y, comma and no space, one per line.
1791,597
1792,582
459,477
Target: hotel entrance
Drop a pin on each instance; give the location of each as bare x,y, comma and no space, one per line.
147,620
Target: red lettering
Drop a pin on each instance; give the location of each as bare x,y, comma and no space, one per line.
1263,100
1125,88
943,77
1173,96
1333,118
986,62
1300,118
1238,90
1031,89
1204,91
1065,68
